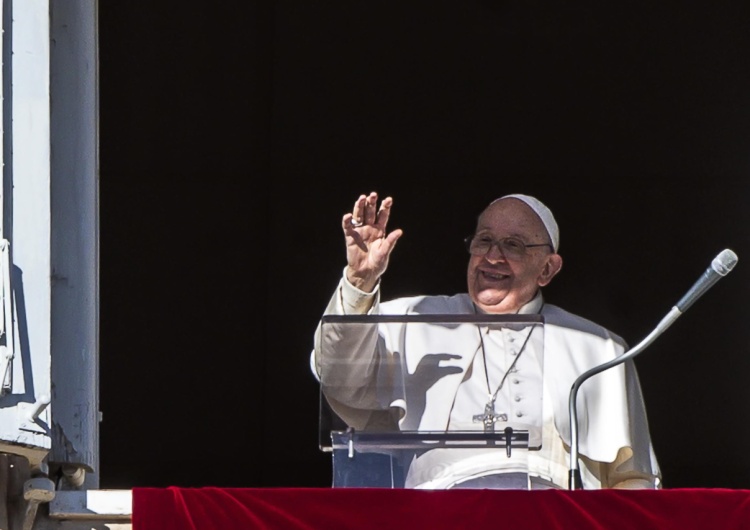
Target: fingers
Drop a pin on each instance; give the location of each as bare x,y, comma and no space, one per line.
365,212
371,204
384,213
358,212
364,209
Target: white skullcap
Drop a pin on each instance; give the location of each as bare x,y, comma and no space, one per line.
544,213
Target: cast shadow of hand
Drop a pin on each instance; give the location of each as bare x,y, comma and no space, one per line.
428,372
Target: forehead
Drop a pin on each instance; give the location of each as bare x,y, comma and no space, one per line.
511,217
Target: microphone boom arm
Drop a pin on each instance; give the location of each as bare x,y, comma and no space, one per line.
720,267
574,478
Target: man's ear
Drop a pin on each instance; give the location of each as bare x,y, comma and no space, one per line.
551,267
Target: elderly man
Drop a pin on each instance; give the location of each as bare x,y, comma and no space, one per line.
513,254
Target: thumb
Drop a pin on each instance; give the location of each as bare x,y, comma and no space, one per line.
393,237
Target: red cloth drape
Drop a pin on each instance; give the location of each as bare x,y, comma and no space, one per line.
384,509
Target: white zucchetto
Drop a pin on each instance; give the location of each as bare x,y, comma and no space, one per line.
544,213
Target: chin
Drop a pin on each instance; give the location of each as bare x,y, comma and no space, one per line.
498,310
492,296
490,301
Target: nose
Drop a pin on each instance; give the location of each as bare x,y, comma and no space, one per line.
494,254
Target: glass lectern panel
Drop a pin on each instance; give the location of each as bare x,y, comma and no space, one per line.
431,401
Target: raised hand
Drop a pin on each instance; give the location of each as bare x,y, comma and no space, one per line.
368,248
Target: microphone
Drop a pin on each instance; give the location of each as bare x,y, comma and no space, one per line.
720,267
722,264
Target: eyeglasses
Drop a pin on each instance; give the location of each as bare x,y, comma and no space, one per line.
511,247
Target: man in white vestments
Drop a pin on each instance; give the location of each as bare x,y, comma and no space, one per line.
376,380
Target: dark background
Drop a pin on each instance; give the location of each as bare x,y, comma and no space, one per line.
234,136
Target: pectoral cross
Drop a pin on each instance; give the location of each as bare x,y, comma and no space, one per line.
490,417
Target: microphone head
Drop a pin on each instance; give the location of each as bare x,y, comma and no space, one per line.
724,262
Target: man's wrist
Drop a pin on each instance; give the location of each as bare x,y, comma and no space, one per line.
365,285
356,300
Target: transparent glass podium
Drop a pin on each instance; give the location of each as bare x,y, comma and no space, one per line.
431,401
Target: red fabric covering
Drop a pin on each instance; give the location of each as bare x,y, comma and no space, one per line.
379,509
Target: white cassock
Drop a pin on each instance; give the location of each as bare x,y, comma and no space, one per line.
368,383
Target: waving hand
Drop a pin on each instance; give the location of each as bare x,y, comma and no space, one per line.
368,247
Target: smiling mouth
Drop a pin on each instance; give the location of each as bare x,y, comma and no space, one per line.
494,276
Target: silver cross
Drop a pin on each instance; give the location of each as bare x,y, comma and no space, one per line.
490,417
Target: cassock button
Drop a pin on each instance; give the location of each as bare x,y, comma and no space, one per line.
516,381
517,398
519,414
